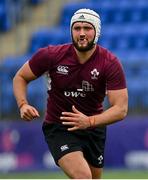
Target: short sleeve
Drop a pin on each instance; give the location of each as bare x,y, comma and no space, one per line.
40,62
115,77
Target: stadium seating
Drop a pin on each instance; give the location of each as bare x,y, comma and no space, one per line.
5,23
8,69
11,12
46,36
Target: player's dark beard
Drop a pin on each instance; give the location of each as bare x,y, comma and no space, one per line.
83,49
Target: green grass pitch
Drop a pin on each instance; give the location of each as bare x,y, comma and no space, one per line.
108,174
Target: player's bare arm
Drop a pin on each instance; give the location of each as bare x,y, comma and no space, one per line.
20,82
118,100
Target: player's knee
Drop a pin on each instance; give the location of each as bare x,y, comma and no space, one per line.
82,174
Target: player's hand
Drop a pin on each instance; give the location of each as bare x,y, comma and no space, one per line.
28,112
76,119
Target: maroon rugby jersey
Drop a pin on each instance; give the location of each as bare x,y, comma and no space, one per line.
72,83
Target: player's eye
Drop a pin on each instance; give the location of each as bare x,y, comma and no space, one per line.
77,28
87,28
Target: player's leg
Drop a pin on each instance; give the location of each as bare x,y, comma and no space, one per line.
75,165
94,151
96,172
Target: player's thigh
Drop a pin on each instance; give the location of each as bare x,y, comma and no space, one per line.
75,165
96,172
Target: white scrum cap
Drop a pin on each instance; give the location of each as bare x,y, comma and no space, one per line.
90,16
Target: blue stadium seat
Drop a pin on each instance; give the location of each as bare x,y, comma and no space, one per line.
36,2
5,22
44,37
10,13
8,103
11,64
136,93
123,3
37,93
106,42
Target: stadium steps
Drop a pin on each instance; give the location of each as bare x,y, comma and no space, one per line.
15,42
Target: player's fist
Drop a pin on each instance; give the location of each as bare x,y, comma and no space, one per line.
28,112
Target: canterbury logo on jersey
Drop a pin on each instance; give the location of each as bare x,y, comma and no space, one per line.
62,69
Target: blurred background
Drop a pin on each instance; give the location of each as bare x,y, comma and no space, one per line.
27,25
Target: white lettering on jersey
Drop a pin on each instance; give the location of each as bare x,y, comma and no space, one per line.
74,94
